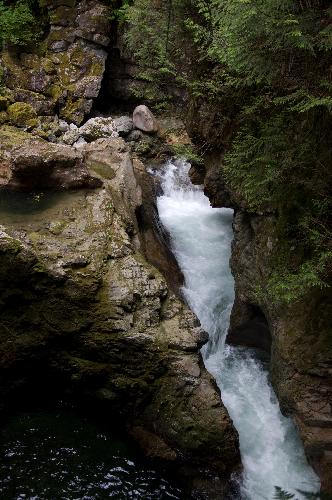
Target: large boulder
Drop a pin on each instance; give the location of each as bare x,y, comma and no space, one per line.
35,164
84,310
144,119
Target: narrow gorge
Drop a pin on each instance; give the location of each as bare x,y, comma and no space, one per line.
271,450
165,312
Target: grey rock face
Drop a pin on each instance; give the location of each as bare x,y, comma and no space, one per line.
70,136
124,125
92,22
144,119
99,127
37,164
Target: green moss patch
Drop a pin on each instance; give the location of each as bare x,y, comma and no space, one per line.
20,114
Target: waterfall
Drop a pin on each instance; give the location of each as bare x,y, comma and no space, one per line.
271,450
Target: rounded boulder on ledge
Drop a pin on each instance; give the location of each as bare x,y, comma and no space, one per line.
144,119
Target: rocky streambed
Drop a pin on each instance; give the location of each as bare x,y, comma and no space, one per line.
90,303
84,314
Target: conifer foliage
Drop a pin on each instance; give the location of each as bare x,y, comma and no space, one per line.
264,69
19,24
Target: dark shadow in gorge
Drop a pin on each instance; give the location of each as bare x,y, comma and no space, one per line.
116,94
249,328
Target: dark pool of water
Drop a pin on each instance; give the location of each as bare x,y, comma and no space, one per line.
58,455
18,208
27,203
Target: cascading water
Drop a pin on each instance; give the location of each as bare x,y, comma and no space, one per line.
271,450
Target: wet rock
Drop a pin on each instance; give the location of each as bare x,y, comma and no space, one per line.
197,175
153,446
144,120
298,334
155,242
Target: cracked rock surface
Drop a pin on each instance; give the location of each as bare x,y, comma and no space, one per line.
82,308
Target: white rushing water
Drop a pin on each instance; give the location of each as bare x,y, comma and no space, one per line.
271,451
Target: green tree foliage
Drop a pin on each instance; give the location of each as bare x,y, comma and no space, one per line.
262,69
281,494
18,22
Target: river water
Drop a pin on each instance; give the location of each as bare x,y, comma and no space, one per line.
271,451
55,454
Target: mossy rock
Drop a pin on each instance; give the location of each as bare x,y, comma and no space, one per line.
33,123
55,92
48,66
74,111
3,103
62,13
3,117
21,114
11,136
96,69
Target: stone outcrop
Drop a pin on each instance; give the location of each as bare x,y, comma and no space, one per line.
298,335
155,241
28,164
81,309
65,73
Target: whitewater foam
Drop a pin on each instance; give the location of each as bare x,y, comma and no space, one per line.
271,451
